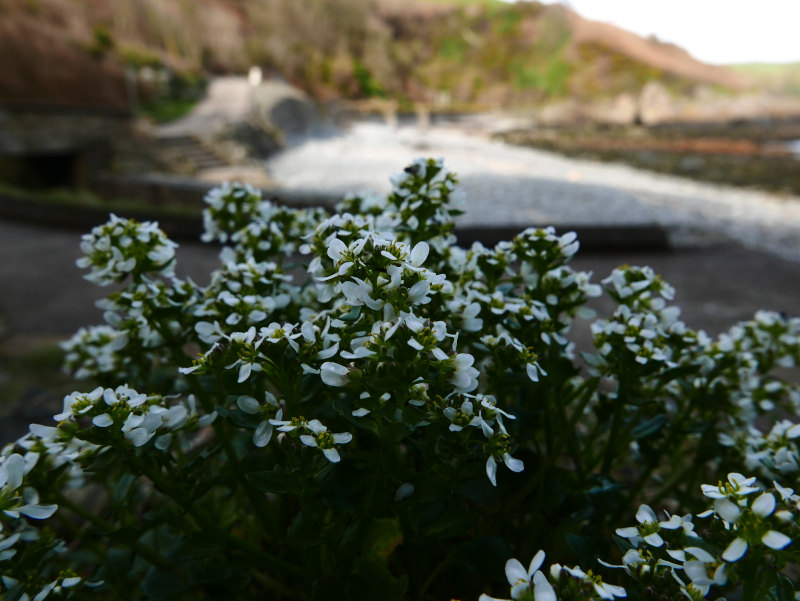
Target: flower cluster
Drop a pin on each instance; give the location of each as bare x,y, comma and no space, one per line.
125,415
560,582
124,247
747,524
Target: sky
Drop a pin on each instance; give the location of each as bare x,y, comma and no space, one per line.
714,31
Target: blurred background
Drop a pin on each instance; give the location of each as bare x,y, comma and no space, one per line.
665,133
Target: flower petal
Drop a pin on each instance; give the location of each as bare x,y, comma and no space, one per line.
38,512
536,563
248,404
102,421
727,510
764,505
735,551
263,434
491,470
332,455
515,572
776,540
542,589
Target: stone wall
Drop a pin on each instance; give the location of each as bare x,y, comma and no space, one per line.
36,131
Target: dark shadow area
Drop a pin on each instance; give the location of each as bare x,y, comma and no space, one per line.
42,171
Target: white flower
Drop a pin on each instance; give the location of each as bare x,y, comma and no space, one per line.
697,570
12,471
417,257
334,374
324,440
462,417
737,485
263,433
498,447
674,522
524,582
489,403
78,403
648,531
139,429
463,376
519,579
603,590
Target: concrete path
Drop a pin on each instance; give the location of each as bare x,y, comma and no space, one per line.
509,185
227,100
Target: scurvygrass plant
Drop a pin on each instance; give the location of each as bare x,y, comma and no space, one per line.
356,408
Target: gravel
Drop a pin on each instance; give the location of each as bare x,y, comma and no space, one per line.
508,185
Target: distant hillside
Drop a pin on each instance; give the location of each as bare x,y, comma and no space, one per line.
778,78
452,52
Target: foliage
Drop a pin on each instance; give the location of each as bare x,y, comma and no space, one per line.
399,421
478,51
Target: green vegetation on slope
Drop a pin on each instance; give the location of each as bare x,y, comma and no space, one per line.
484,52
782,78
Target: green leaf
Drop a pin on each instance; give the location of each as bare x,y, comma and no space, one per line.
647,428
386,384
126,535
451,524
698,427
124,488
412,416
427,489
100,462
161,585
354,314
310,386
194,546
118,564
580,547
202,488
784,589
640,402
622,544
371,578
330,534
239,418
277,481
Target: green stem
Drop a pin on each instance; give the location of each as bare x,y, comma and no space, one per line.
257,499
147,553
434,575
210,525
751,580
81,535
553,457
667,444
615,424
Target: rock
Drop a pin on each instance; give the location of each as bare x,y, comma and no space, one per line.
622,110
655,104
287,108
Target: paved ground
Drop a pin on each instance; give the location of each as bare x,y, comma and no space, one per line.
508,185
